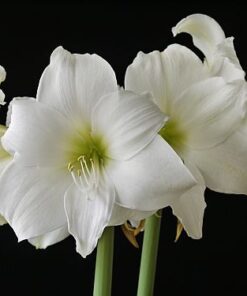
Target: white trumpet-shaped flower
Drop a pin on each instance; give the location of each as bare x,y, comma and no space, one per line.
85,156
229,175
204,111
2,78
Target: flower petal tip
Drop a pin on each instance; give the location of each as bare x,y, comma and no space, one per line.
58,53
2,74
82,252
175,31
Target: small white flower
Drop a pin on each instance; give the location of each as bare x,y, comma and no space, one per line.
2,78
86,156
204,111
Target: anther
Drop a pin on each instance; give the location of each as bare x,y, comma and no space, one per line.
80,158
70,167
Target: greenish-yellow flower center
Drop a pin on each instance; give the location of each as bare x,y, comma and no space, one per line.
173,134
87,158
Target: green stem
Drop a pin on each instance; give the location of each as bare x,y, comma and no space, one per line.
149,255
104,262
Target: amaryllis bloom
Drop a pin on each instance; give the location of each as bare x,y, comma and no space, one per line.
204,111
2,78
220,60
86,155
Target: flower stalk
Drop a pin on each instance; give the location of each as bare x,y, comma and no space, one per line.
104,263
149,255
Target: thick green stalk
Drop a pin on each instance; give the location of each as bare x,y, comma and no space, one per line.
149,255
104,262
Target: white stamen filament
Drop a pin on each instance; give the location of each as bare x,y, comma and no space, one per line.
85,163
83,170
94,171
85,179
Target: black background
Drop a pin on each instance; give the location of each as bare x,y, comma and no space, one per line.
117,31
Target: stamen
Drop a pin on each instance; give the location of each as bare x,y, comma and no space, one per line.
85,163
74,178
86,176
80,177
70,167
94,172
80,159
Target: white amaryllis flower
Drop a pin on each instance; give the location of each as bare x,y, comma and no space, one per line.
204,111
85,155
220,60
2,78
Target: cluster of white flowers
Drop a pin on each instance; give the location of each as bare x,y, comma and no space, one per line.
84,154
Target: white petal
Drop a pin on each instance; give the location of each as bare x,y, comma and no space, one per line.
2,220
5,157
48,239
226,63
224,166
146,73
4,162
32,199
128,122
189,207
73,83
2,97
88,215
151,179
210,111
226,49
165,75
205,31
37,133
2,74
121,214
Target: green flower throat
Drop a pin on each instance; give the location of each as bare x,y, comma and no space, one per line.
86,159
173,134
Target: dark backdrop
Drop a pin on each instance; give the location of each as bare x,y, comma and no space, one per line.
117,31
